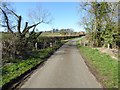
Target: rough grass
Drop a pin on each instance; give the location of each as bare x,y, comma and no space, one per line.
105,68
13,70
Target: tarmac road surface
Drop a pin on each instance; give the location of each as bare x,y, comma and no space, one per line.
64,69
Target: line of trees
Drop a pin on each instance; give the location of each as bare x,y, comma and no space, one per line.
101,23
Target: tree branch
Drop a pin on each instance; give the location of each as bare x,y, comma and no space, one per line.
33,30
19,24
29,27
7,21
34,25
38,34
26,25
13,12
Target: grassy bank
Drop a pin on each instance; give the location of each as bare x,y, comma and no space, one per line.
13,70
102,65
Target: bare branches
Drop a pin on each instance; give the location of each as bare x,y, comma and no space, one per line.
33,30
7,21
12,12
85,6
19,19
34,25
26,29
39,15
19,24
26,24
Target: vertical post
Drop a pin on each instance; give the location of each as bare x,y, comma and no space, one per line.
108,45
36,45
50,44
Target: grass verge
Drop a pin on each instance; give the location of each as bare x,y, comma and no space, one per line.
102,66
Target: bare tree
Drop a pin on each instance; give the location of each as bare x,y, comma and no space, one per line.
40,16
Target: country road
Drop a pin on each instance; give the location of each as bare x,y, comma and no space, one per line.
64,69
